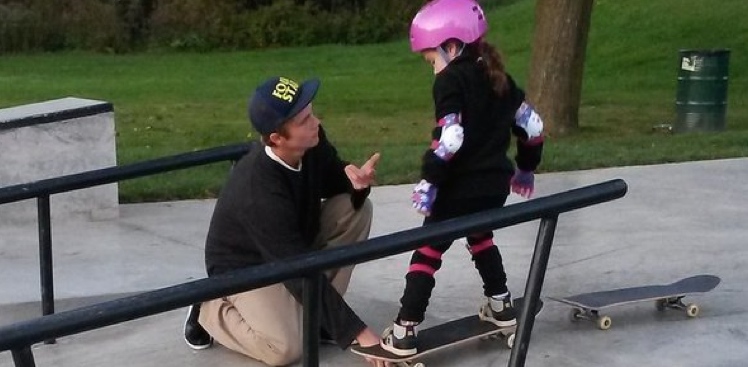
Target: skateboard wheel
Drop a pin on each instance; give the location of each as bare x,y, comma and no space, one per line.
692,310
604,322
661,304
510,340
575,315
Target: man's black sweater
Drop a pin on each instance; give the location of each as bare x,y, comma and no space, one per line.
267,212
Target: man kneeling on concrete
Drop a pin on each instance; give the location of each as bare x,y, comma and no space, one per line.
290,196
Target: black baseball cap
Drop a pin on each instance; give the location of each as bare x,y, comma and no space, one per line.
277,100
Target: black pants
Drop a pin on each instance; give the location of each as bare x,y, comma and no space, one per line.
419,282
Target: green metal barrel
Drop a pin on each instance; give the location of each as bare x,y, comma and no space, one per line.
701,101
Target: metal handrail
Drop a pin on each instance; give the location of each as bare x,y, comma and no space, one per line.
113,174
20,336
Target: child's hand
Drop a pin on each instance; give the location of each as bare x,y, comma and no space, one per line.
423,198
523,183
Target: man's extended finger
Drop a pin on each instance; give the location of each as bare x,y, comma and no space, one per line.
372,162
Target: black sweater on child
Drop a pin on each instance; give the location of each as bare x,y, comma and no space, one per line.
481,166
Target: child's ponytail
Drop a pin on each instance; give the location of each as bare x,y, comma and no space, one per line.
494,66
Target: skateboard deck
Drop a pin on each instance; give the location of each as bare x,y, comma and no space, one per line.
445,335
666,296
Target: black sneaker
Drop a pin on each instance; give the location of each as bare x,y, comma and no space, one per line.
499,311
194,334
400,338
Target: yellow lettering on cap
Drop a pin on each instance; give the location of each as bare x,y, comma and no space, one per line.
285,89
289,82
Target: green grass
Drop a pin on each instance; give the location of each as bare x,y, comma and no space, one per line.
377,97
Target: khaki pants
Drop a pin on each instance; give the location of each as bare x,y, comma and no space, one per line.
266,323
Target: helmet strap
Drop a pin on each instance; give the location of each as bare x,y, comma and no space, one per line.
445,55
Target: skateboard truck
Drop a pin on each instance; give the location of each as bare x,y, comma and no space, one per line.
691,309
507,335
602,322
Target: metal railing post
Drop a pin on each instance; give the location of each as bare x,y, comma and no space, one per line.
534,285
311,304
45,257
23,357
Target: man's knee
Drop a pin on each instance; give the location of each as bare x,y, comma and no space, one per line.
361,219
366,210
341,209
343,203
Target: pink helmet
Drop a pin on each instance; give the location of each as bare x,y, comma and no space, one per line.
441,20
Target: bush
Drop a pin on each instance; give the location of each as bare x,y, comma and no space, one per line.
383,20
31,25
91,25
40,25
283,23
203,25
185,24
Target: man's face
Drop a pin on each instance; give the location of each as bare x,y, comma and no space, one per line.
302,131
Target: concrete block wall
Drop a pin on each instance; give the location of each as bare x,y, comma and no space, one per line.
54,138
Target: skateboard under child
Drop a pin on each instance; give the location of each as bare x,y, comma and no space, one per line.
446,335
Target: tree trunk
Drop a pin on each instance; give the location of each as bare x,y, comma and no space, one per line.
557,65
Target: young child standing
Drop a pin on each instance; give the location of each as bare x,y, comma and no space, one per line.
478,107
